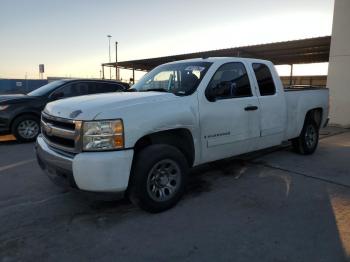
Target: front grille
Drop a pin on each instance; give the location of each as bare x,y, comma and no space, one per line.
61,141
67,124
61,133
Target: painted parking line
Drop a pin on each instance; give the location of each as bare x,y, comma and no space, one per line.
7,138
20,163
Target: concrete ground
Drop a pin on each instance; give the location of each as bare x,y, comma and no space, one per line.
269,206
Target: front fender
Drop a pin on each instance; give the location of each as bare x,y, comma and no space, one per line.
144,119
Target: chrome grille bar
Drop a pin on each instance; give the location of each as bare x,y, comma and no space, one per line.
57,131
63,134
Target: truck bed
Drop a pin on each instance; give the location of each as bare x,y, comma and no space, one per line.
301,100
302,88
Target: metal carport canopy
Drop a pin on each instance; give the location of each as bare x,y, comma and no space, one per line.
303,51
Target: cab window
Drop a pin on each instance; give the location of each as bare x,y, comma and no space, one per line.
230,81
264,78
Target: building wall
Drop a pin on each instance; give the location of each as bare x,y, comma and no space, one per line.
20,86
339,65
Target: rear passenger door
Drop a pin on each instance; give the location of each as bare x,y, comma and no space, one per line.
271,100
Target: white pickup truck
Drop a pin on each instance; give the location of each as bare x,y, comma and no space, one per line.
179,115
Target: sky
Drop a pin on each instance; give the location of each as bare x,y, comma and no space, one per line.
70,36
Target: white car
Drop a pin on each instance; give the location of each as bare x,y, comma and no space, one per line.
179,115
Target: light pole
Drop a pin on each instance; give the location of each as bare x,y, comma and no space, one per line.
109,54
116,62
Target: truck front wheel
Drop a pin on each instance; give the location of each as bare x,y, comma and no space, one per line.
307,142
158,178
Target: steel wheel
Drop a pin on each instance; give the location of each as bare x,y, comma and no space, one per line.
307,142
28,129
163,180
310,136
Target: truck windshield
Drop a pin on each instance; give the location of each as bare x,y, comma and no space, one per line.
178,78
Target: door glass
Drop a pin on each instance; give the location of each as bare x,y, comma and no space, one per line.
70,90
230,81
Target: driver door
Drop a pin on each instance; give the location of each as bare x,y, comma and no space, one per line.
229,114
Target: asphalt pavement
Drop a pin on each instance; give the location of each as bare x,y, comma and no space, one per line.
273,205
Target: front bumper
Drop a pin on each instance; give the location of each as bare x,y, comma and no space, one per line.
89,171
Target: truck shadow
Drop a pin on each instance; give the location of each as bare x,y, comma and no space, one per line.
201,178
298,214
260,211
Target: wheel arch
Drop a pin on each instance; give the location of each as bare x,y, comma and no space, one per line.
181,138
316,115
35,114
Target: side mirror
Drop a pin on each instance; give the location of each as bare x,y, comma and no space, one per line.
56,96
220,90
210,94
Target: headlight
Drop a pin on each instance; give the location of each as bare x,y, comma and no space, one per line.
103,135
3,107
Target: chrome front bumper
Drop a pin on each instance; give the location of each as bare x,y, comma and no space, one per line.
58,167
88,171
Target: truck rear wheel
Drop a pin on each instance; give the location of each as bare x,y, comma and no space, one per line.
158,178
307,142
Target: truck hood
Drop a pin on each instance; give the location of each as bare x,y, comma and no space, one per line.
88,107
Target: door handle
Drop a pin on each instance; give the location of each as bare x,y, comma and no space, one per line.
251,108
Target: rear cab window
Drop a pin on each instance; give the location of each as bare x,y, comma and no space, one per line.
264,79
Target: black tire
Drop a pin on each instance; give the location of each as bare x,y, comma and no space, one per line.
307,142
146,171
18,127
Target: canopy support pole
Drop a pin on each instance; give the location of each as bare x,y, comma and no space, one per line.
291,76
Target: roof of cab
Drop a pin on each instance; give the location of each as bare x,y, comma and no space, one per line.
220,59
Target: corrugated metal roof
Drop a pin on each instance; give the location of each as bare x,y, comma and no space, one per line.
310,50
